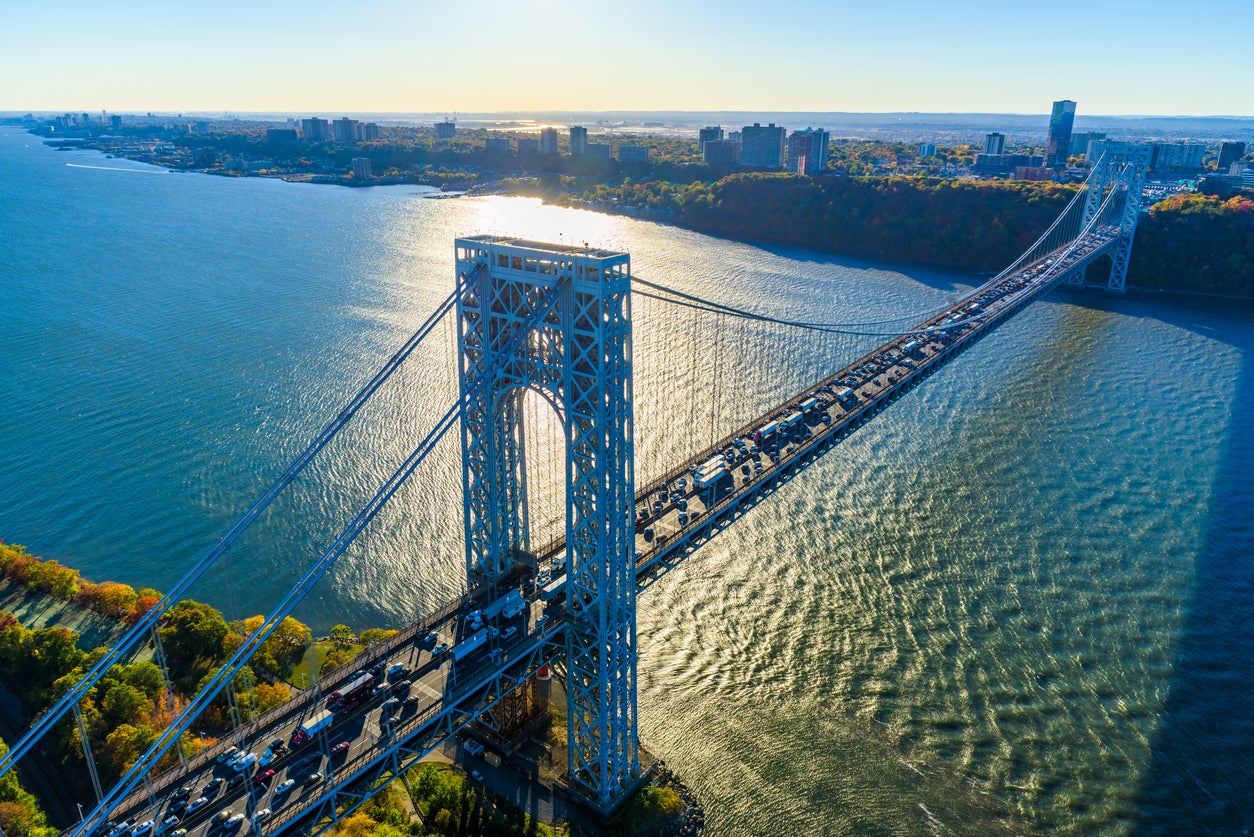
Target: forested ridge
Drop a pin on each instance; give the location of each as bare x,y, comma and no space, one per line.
1188,242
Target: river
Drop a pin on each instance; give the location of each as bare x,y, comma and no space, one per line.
1019,601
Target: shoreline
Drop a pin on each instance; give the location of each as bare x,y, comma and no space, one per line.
572,202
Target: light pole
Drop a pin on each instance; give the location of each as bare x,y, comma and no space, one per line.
79,805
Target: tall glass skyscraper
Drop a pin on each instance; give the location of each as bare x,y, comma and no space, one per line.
1058,145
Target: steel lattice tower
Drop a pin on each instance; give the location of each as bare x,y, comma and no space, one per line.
1121,165
579,359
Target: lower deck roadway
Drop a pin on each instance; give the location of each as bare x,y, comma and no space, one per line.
447,692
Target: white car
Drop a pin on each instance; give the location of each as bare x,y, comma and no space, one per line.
197,804
143,828
234,822
262,815
285,787
245,763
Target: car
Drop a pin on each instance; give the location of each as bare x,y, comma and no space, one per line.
263,777
339,748
169,822
395,669
233,822
429,638
410,700
222,816
262,815
286,786
235,780
442,648
379,689
245,763
402,686
377,670
476,775
228,753
508,633
212,786
177,806
197,804
278,745
182,793
121,828
182,832
314,778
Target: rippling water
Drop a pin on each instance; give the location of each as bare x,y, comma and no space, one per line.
1019,601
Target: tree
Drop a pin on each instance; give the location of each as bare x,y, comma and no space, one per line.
123,747
373,636
113,599
195,639
124,704
343,636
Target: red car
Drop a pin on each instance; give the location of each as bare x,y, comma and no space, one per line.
339,748
264,777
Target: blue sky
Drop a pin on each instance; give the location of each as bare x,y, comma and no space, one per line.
494,55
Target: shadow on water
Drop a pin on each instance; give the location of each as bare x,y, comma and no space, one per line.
1200,779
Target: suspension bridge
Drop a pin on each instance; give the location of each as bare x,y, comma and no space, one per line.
552,323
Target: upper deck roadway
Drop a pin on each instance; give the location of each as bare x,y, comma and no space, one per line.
675,516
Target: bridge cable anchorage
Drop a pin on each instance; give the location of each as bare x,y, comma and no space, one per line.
250,645
150,620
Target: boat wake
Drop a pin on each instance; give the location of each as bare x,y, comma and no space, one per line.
118,168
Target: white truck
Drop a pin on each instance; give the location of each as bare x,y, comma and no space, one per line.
312,726
469,645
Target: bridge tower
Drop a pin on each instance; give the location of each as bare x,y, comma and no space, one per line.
1120,165
579,359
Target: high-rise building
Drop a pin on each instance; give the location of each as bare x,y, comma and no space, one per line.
115,124
1082,142
578,140
527,145
1229,153
762,146
445,129
710,133
807,151
548,140
361,168
315,129
633,153
1176,156
496,145
994,143
1058,143
369,131
927,149
599,151
720,152
346,130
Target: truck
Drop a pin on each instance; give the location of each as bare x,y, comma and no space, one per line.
469,645
846,396
351,692
508,606
708,478
808,405
712,462
312,726
791,420
553,589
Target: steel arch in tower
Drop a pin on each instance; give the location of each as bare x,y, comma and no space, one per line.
579,358
1121,165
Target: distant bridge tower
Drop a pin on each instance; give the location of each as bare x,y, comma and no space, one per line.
579,360
1120,165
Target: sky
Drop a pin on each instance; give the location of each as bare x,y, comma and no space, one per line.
484,56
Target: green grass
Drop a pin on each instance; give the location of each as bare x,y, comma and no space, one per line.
302,673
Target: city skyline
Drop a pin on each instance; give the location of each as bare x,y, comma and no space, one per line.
394,57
